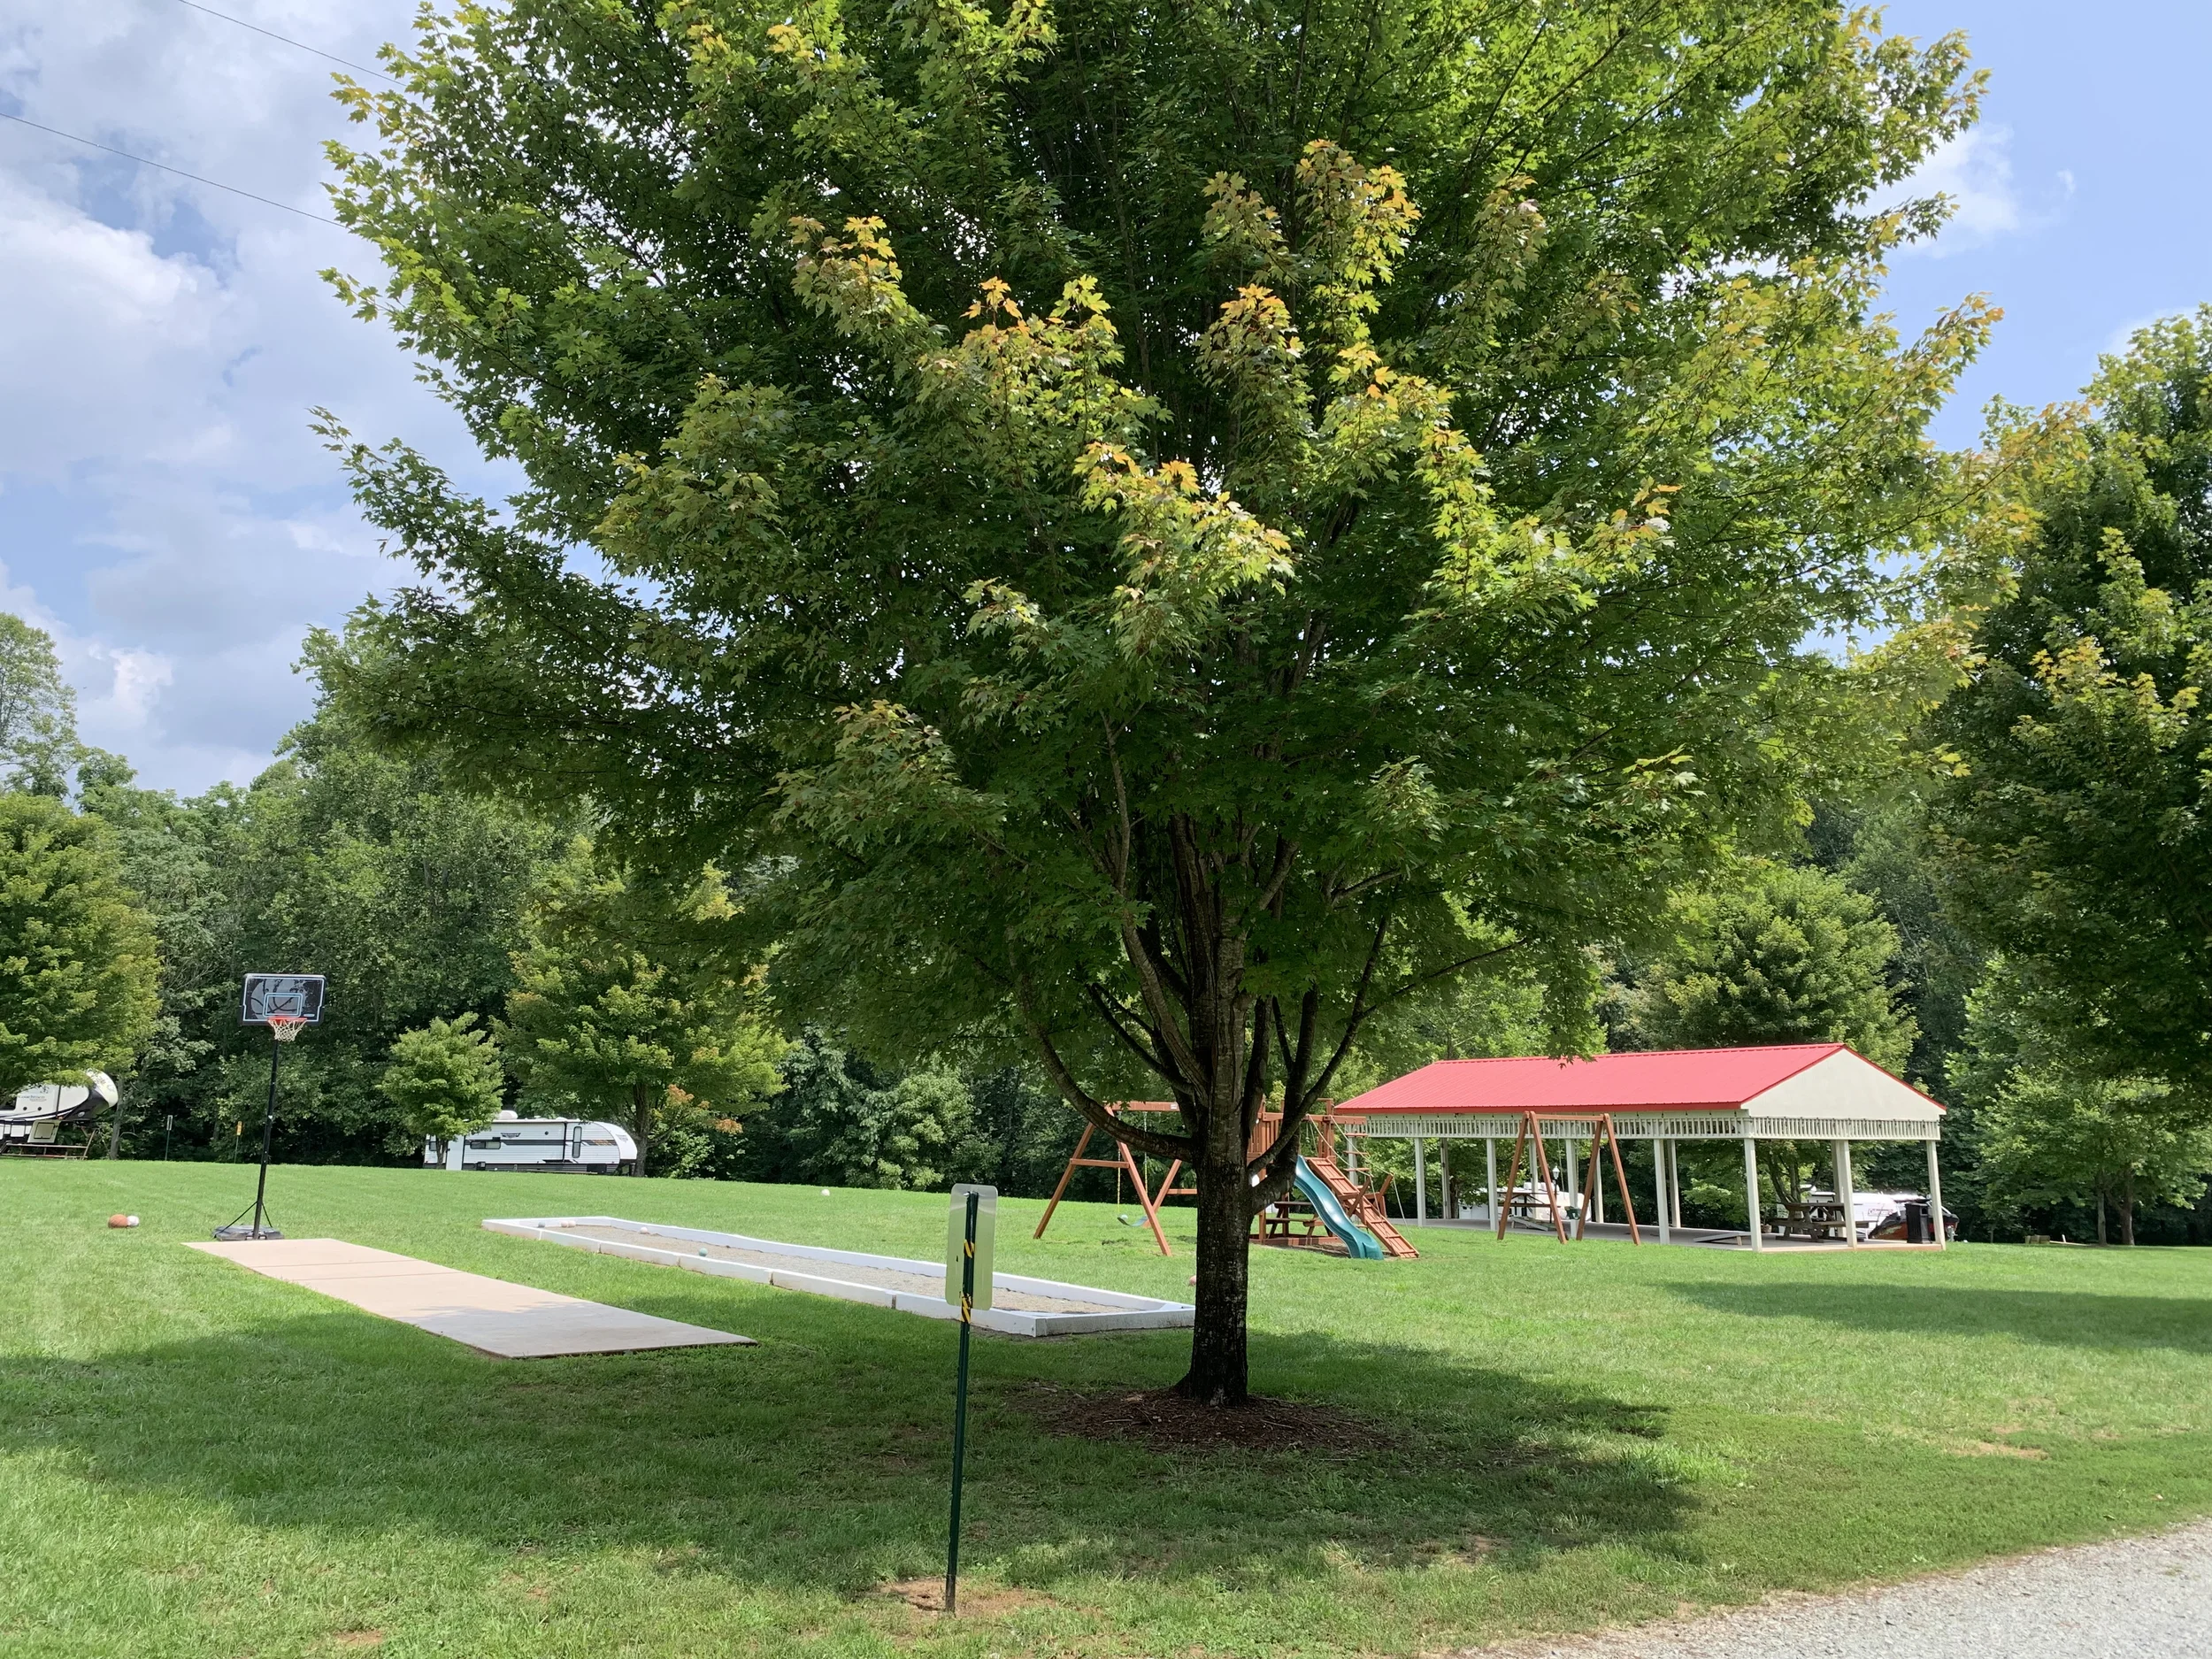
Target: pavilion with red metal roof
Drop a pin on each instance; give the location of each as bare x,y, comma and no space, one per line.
1789,1091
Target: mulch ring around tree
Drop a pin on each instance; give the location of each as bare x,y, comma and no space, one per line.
1167,1421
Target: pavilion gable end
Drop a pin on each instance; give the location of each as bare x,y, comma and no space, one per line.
1845,1097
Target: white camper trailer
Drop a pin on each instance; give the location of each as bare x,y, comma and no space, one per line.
31,1123
566,1146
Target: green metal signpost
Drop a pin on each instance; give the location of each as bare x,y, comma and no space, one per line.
969,1235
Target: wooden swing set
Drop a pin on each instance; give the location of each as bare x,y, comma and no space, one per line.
1124,1160
1367,1206
1601,1137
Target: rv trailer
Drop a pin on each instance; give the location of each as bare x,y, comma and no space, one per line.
30,1125
566,1146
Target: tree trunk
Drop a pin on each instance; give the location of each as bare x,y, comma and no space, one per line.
1196,1023
1781,1173
1218,1369
640,1121
2127,1209
2100,1232
1014,1115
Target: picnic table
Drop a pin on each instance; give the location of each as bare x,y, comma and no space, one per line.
1530,1204
1276,1220
1815,1218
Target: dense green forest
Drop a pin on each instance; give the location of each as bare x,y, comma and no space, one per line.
421,902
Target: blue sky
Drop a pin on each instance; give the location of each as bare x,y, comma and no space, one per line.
2087,202
165,512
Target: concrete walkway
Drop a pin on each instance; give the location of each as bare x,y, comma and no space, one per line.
490,1315
2150,1596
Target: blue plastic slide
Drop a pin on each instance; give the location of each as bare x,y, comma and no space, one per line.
1362,1244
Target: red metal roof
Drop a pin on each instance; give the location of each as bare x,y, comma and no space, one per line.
1682,1079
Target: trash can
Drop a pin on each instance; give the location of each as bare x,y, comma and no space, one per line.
1917,1230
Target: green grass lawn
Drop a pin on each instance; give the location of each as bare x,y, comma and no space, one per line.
195,1460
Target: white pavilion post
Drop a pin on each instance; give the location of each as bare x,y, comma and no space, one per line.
1751,1191
1597,1186
1574,1174
1935,1197
1674,1181
1845,1196
1659,1150
1444,1179
1420,1185
1490,1174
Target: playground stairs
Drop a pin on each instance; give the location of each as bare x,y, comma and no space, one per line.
1363,1206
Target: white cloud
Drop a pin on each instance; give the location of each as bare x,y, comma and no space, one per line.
1974,171
165,510
117,689
97,336
136,678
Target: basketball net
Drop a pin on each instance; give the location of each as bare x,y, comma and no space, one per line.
284,1027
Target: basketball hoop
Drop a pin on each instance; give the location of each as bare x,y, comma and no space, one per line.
285,1003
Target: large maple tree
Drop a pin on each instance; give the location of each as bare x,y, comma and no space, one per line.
1158,533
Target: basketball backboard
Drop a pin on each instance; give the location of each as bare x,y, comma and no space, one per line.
292,996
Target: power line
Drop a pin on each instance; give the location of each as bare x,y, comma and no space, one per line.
213,184
216,184
289,40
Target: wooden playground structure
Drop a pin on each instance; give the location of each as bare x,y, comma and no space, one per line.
1365,1205
1125,1161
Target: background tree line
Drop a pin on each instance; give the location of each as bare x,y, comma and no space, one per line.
444,917
447,925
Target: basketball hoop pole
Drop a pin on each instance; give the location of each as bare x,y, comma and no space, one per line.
268,1128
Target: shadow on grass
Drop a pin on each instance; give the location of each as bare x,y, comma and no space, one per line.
820,1458
2062,1318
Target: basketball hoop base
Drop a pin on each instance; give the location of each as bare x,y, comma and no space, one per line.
238,1232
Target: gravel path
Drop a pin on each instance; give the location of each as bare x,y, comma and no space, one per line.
2151,1596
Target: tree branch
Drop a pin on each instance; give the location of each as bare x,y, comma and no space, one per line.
1281,1159
1356,1017
1155,1001
1090,1110
1415,984
1121,803
1109,1011
1285,860
1255,1071
1282,1044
